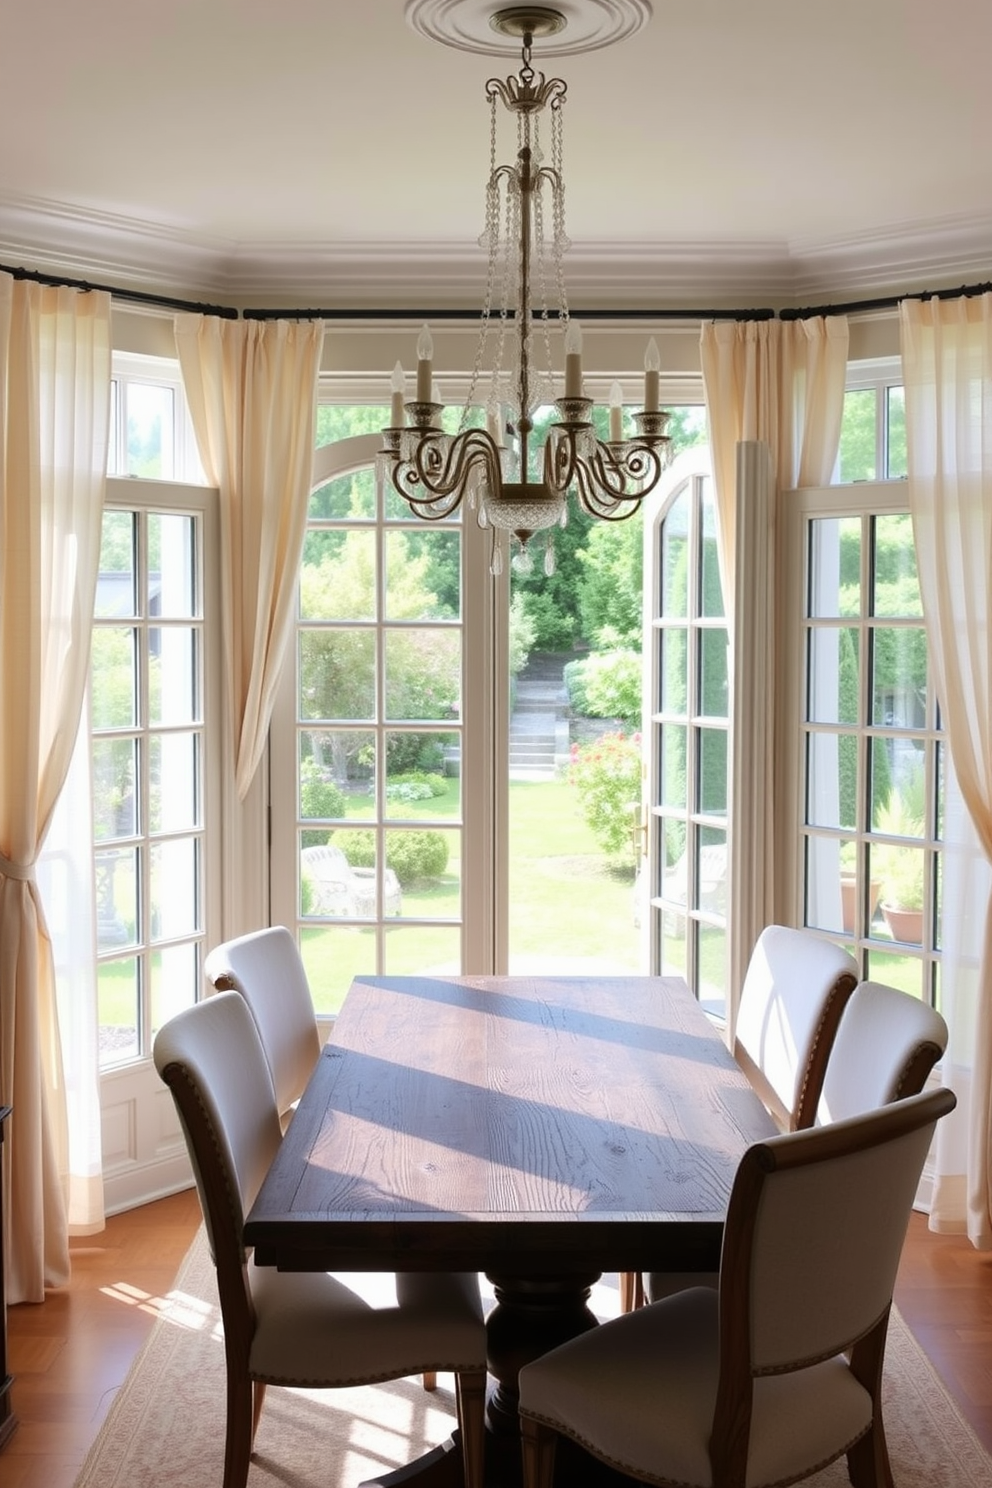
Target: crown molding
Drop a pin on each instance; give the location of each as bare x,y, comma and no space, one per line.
133,254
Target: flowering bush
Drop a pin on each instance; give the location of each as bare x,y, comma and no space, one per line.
607,776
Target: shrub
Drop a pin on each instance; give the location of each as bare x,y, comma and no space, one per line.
607,776
319,797
608,683
413,856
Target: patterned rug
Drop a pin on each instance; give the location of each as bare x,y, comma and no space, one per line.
166,1426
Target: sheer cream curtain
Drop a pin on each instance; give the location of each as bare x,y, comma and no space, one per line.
55,365
779,385
252,391
947,371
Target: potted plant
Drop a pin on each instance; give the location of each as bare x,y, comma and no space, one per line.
900,867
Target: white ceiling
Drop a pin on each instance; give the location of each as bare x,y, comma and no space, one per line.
314,153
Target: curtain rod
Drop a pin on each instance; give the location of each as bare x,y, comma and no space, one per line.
135,296
229,312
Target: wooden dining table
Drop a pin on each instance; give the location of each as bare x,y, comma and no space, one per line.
540,1129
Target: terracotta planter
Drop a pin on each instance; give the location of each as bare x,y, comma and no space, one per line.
904,924
849,900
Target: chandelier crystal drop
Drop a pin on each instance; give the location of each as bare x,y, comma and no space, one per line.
513,487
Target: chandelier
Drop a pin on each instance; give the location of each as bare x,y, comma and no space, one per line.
515,488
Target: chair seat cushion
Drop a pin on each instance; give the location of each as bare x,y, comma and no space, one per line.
316,1329
643,1387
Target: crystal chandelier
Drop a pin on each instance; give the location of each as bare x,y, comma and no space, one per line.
513,488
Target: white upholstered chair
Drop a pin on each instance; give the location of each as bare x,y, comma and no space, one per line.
794,993
778,1372
791,1003
306,1329
886,1045
266,968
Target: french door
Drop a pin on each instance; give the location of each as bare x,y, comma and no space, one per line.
388,745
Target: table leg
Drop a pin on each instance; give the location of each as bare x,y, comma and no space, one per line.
531,1316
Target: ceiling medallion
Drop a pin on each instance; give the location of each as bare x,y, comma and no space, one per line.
581,25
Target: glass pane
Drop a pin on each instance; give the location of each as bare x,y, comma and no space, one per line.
173,675
905,972
881,752
713,770
834,568
337,774
824,908
174,978
337,674
899,677
674,691
427,863
338,877
338,576
116,897
115,769
174,881
117,1010
115,590
423,949
350,496
896,467
173,786
713,969
674,945
711,872
150,425
712,591
675,559
858,438
333,957
713,652
113,677
896,582
171,566
422,777
423,575
831,780
833,675
423,673
674,740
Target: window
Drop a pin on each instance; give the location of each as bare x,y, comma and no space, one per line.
151,435
869,739
873,426
148,687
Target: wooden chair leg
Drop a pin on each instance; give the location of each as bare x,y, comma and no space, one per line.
237,1442
430,1379
258,1400
470,1401
537,1445
868,1460
631,1291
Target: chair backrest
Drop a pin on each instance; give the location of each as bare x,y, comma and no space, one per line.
814,1232
886,1045
266,969
791,1002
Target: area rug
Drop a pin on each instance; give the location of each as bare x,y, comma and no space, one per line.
165,1428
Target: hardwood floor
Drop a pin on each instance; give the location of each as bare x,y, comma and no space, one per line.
70,1354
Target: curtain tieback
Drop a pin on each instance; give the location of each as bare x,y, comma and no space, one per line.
22,871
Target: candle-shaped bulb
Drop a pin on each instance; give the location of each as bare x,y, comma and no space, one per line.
573,360
652,367
616,413
425,370
397,384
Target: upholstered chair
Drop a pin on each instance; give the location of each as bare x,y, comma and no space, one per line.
886,1045
310,1328
777,1372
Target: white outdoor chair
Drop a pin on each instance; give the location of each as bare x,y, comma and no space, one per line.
341,890
778,1372
886,1045
306,1329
